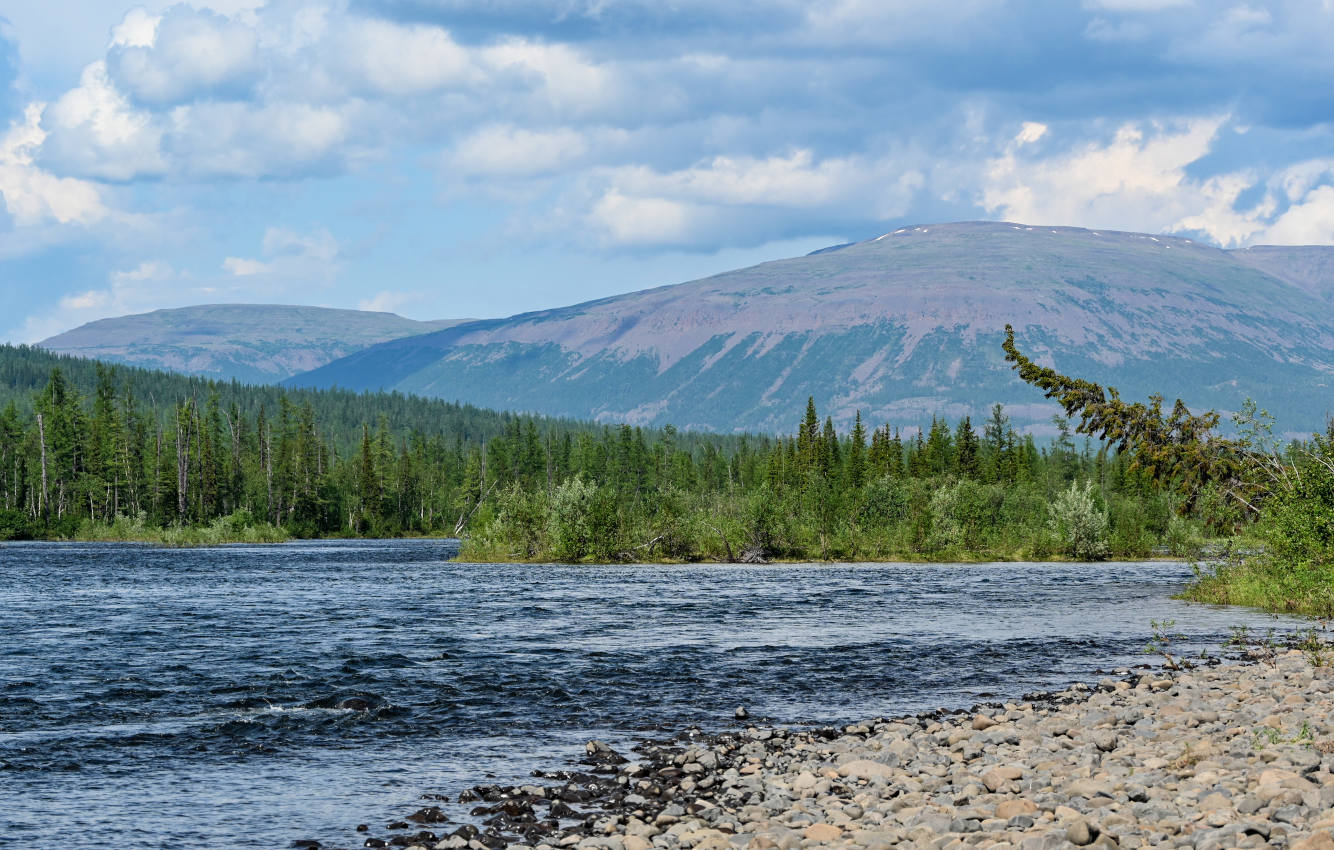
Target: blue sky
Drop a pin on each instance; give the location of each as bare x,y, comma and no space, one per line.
450,158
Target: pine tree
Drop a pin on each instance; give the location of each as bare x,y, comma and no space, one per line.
856,456
967,450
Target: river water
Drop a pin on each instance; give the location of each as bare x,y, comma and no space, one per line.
190,698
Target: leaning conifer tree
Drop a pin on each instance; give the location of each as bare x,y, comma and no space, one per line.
1179,450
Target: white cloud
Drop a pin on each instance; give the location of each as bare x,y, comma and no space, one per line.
1309,222
289,255
703,204
318,245
242,267
1135,5
562,77
137,29
390,302
191,54
1030,132
94,131
513,151
1140,180
1136,181
644,221
33,196
211,139
403,60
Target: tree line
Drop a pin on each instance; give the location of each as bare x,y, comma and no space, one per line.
101,451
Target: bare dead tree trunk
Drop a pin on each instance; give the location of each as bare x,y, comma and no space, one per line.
41,438
182,466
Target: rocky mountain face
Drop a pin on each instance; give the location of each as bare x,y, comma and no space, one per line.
902,327
254,343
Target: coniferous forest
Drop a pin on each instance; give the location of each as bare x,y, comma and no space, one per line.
88,451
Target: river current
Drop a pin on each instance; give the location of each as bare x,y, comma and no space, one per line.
192,698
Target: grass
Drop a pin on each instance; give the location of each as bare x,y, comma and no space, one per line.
1259,582
237,528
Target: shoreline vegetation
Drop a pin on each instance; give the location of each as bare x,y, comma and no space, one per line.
1203,754
132,455
103,453
1284,492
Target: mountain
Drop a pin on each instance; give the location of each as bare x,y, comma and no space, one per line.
254,343
1309,267
900,327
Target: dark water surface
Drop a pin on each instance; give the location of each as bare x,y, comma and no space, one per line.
189,698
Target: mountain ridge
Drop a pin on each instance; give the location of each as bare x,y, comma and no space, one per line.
254,343
901,327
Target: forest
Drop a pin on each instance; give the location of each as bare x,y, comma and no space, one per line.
89,451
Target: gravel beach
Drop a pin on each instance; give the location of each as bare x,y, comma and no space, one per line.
1228,755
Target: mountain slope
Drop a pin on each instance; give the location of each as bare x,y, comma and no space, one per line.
1309,267
254,343
901,327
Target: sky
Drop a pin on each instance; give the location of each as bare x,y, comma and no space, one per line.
478,158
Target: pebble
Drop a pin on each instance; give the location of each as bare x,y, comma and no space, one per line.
1210,757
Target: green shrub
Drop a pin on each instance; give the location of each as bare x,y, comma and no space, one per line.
1078,524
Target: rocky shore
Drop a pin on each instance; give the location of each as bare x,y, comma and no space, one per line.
1219,756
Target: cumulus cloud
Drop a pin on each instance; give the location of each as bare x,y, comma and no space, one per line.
94,131
1137,180
702,204
137,29
516,152
181,55
291,255
402,60
1141,179
386,301
219,139
33,196
688,126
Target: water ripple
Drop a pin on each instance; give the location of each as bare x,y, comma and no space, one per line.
245,696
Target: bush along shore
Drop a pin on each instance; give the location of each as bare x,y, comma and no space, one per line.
1218,756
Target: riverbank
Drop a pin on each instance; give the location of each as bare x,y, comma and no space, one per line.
1221,756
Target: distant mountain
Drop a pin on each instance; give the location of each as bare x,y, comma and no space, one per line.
254,343
901,327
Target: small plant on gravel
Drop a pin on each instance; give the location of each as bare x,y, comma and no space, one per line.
1316,650
1160,637
1265,737
1305,736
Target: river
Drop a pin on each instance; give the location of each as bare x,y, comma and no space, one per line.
191,698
